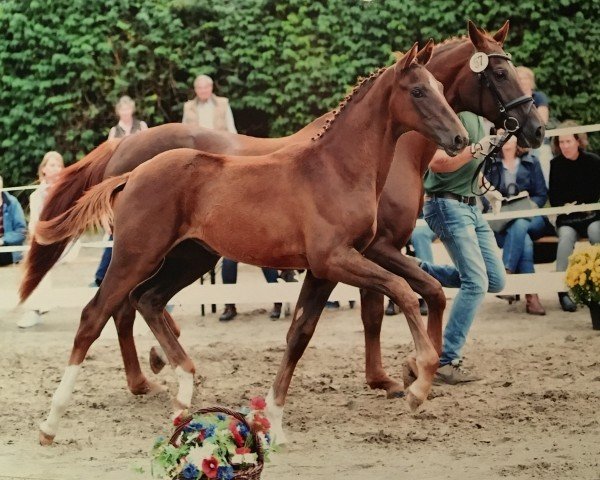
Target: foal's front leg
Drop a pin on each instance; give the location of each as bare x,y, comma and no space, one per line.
349,266
313,296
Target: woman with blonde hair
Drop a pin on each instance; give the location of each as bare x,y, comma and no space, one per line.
48,171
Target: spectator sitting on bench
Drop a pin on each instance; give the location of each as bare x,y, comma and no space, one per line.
574,179
12,227
520,171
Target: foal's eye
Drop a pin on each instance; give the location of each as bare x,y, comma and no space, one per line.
417,93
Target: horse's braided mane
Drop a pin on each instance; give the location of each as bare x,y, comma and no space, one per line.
363,86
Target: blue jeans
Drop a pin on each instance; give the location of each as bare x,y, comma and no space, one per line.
104,263
421,238
517,242
470,243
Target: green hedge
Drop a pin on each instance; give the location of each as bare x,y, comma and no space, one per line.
64,63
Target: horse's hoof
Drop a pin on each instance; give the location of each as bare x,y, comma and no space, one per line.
157,363
395,394
45,439
148,388
408,376
414,402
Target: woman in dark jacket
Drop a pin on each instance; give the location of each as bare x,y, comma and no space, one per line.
518,171
574,178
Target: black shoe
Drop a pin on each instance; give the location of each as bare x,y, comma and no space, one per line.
566,303
332,305
423,307
391,309
229,313
276,312
509,298
288,276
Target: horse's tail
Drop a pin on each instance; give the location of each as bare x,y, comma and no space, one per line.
94,208
71,185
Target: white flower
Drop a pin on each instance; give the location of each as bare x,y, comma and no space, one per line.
197,454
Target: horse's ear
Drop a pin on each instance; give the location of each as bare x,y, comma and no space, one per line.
501,34
408,58
425,53
476,35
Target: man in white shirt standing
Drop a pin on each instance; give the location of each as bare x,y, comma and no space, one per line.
207,109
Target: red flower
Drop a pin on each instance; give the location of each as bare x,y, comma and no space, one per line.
261,424
242,450
200,437
210,466
258,403
237,437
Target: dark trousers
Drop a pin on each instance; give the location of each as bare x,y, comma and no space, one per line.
104,263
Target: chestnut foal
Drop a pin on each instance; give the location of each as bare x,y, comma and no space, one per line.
336,178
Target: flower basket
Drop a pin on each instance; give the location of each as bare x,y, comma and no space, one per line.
215,443
583,280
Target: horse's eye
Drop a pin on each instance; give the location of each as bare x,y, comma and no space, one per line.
417,93
500,74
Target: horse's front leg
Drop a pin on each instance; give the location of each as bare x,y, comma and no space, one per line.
371,310
313,296
347,265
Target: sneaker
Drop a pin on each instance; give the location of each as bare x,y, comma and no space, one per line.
566,303
29,319
276,312
453,374
423,307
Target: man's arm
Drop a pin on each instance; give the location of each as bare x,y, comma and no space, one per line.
444,163
230,123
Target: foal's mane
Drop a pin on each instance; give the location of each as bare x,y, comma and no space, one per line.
358,92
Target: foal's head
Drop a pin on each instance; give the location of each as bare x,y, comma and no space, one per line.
488,84
417,102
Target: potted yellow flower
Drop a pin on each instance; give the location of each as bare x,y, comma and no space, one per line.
583,280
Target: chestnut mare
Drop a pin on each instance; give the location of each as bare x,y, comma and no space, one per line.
324,226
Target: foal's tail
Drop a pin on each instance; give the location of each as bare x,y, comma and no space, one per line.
90,210
70,186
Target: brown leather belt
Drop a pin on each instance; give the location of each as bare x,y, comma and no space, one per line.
453,196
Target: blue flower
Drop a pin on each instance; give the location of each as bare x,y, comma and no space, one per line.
243,429
209,431
225,472
221,416
268,438
190,472
193,427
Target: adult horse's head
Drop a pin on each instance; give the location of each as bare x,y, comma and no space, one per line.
417,101
488,85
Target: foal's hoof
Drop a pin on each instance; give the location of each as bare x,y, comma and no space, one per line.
157,363
45,439
408,376
395,394
148,388
414,402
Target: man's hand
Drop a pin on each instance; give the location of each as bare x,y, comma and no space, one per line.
484,146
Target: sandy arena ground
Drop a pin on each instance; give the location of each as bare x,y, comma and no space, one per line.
536,414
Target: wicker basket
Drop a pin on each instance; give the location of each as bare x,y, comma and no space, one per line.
250,473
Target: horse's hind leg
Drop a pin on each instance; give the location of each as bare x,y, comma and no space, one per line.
313,296
150,299
137,382
185,264
371,309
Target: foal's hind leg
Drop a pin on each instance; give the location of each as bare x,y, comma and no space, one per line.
371,309
137,382
313,296
150,299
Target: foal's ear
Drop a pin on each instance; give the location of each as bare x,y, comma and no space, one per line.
407,59
424,54
501,34
476,35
